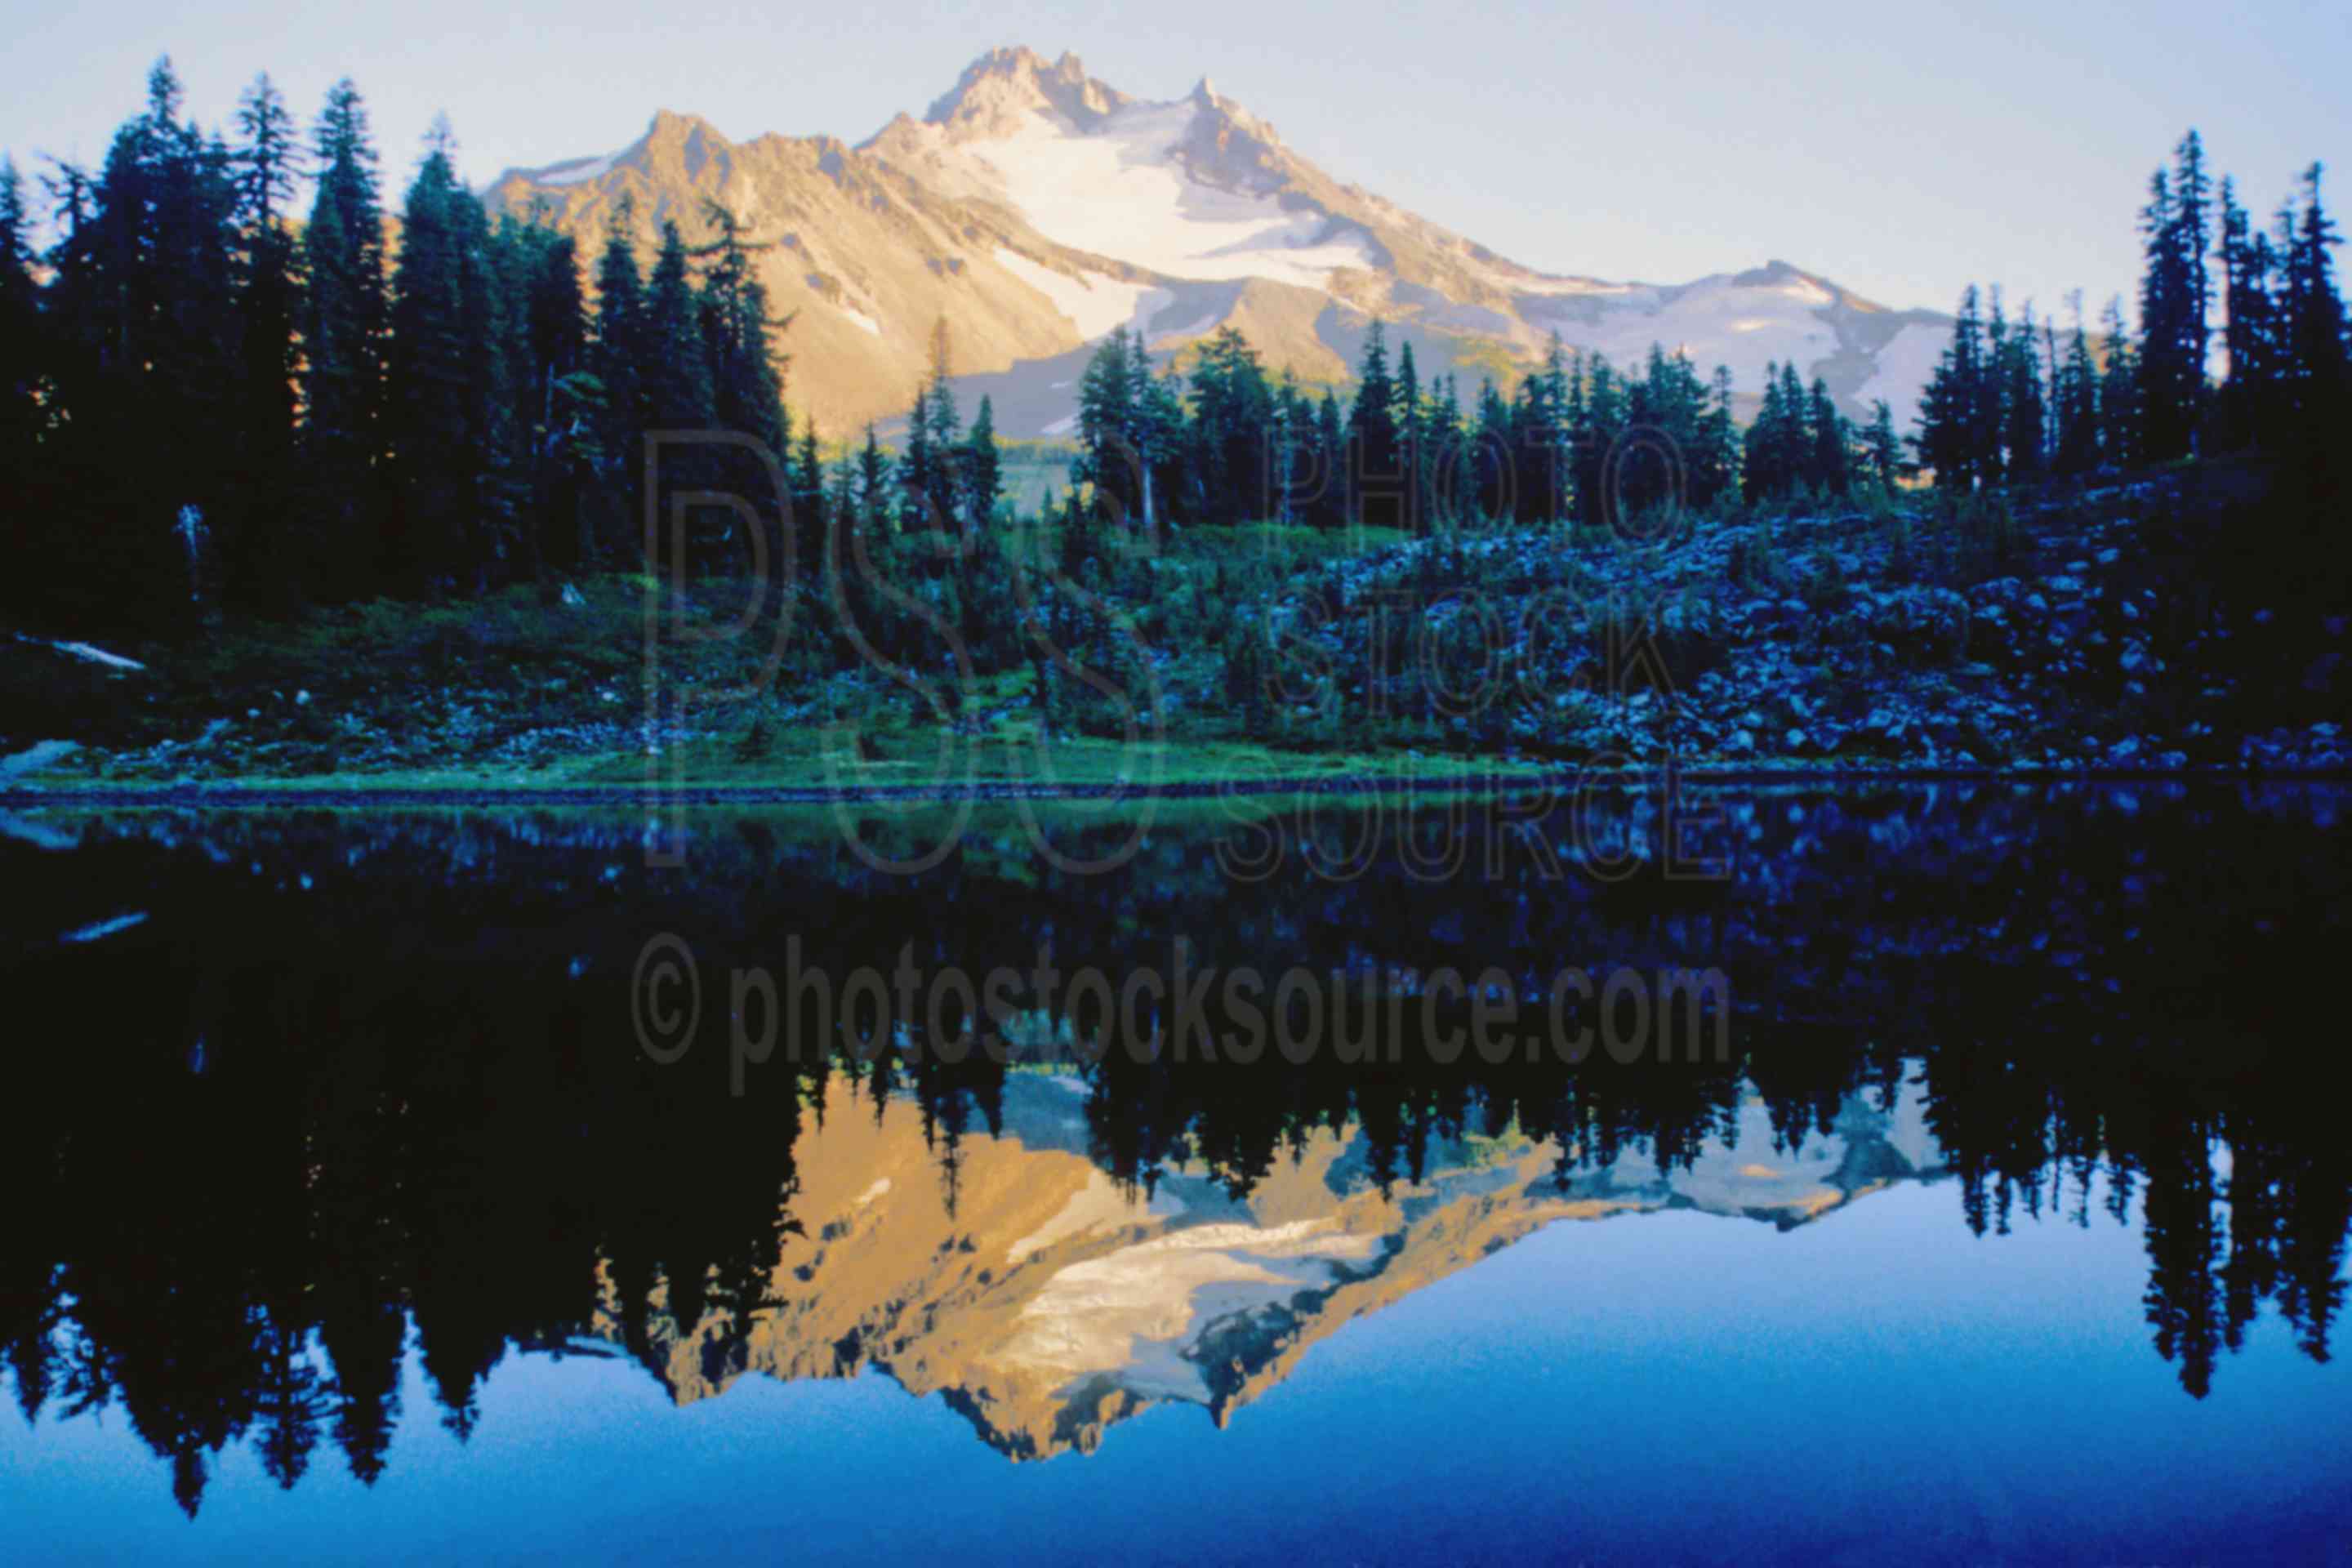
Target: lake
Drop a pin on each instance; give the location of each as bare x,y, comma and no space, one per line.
1925,1172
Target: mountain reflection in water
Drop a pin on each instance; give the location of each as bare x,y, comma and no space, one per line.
301,1096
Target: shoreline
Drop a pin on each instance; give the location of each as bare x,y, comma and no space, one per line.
263,796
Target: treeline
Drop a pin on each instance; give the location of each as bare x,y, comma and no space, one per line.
1222,441
2009,401
207,397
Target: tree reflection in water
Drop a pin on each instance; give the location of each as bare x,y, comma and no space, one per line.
360,1083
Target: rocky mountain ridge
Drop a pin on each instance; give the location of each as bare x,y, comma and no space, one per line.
1034,208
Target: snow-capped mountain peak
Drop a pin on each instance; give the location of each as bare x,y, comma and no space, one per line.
1191,188
1005,86
1035,207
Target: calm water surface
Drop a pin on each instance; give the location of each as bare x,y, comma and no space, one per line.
349,1218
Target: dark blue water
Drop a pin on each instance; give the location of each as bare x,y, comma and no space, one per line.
1966,1253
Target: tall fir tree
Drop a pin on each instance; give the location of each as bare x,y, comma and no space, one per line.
345,318
935,472
441,453
617,351
2313,334
267,558
2120,442
1408,417
2247,400
1830,470
1552,433
25,396
2175,304
1329,508
1716,466
144,337
556,386
873,483
919,483
2075,415
1373,468
1109,404
676,374
2024,415
1882,447
983,465
810,524
2314,330
1955,435
747,373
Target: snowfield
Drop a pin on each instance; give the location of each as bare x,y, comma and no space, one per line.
1119,191
1715,320
1094,304
1903,369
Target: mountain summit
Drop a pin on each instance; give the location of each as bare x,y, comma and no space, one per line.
1003,86
1036,208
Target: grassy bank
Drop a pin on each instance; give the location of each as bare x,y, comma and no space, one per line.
2115,626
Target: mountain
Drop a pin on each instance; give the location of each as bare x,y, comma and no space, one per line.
1044,1304
1034,208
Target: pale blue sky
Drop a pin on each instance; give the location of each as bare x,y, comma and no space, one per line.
1902,151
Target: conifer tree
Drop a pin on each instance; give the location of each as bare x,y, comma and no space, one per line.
2023,415
441,451
2175,302
1715,471
1955,435
1160,439
267,557
747,374
983,464
873,483
1884,448
2314,328
811,501
2246,401
558,392
1330,509
24,395
346,315
920,464
1829,468
1371,466
1550,434
840,512
2119,392
1443,465
617,353
2076,414
143,339
676,374
937,479
1407,417
1286,421
1799,440
1105,417
1233,413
